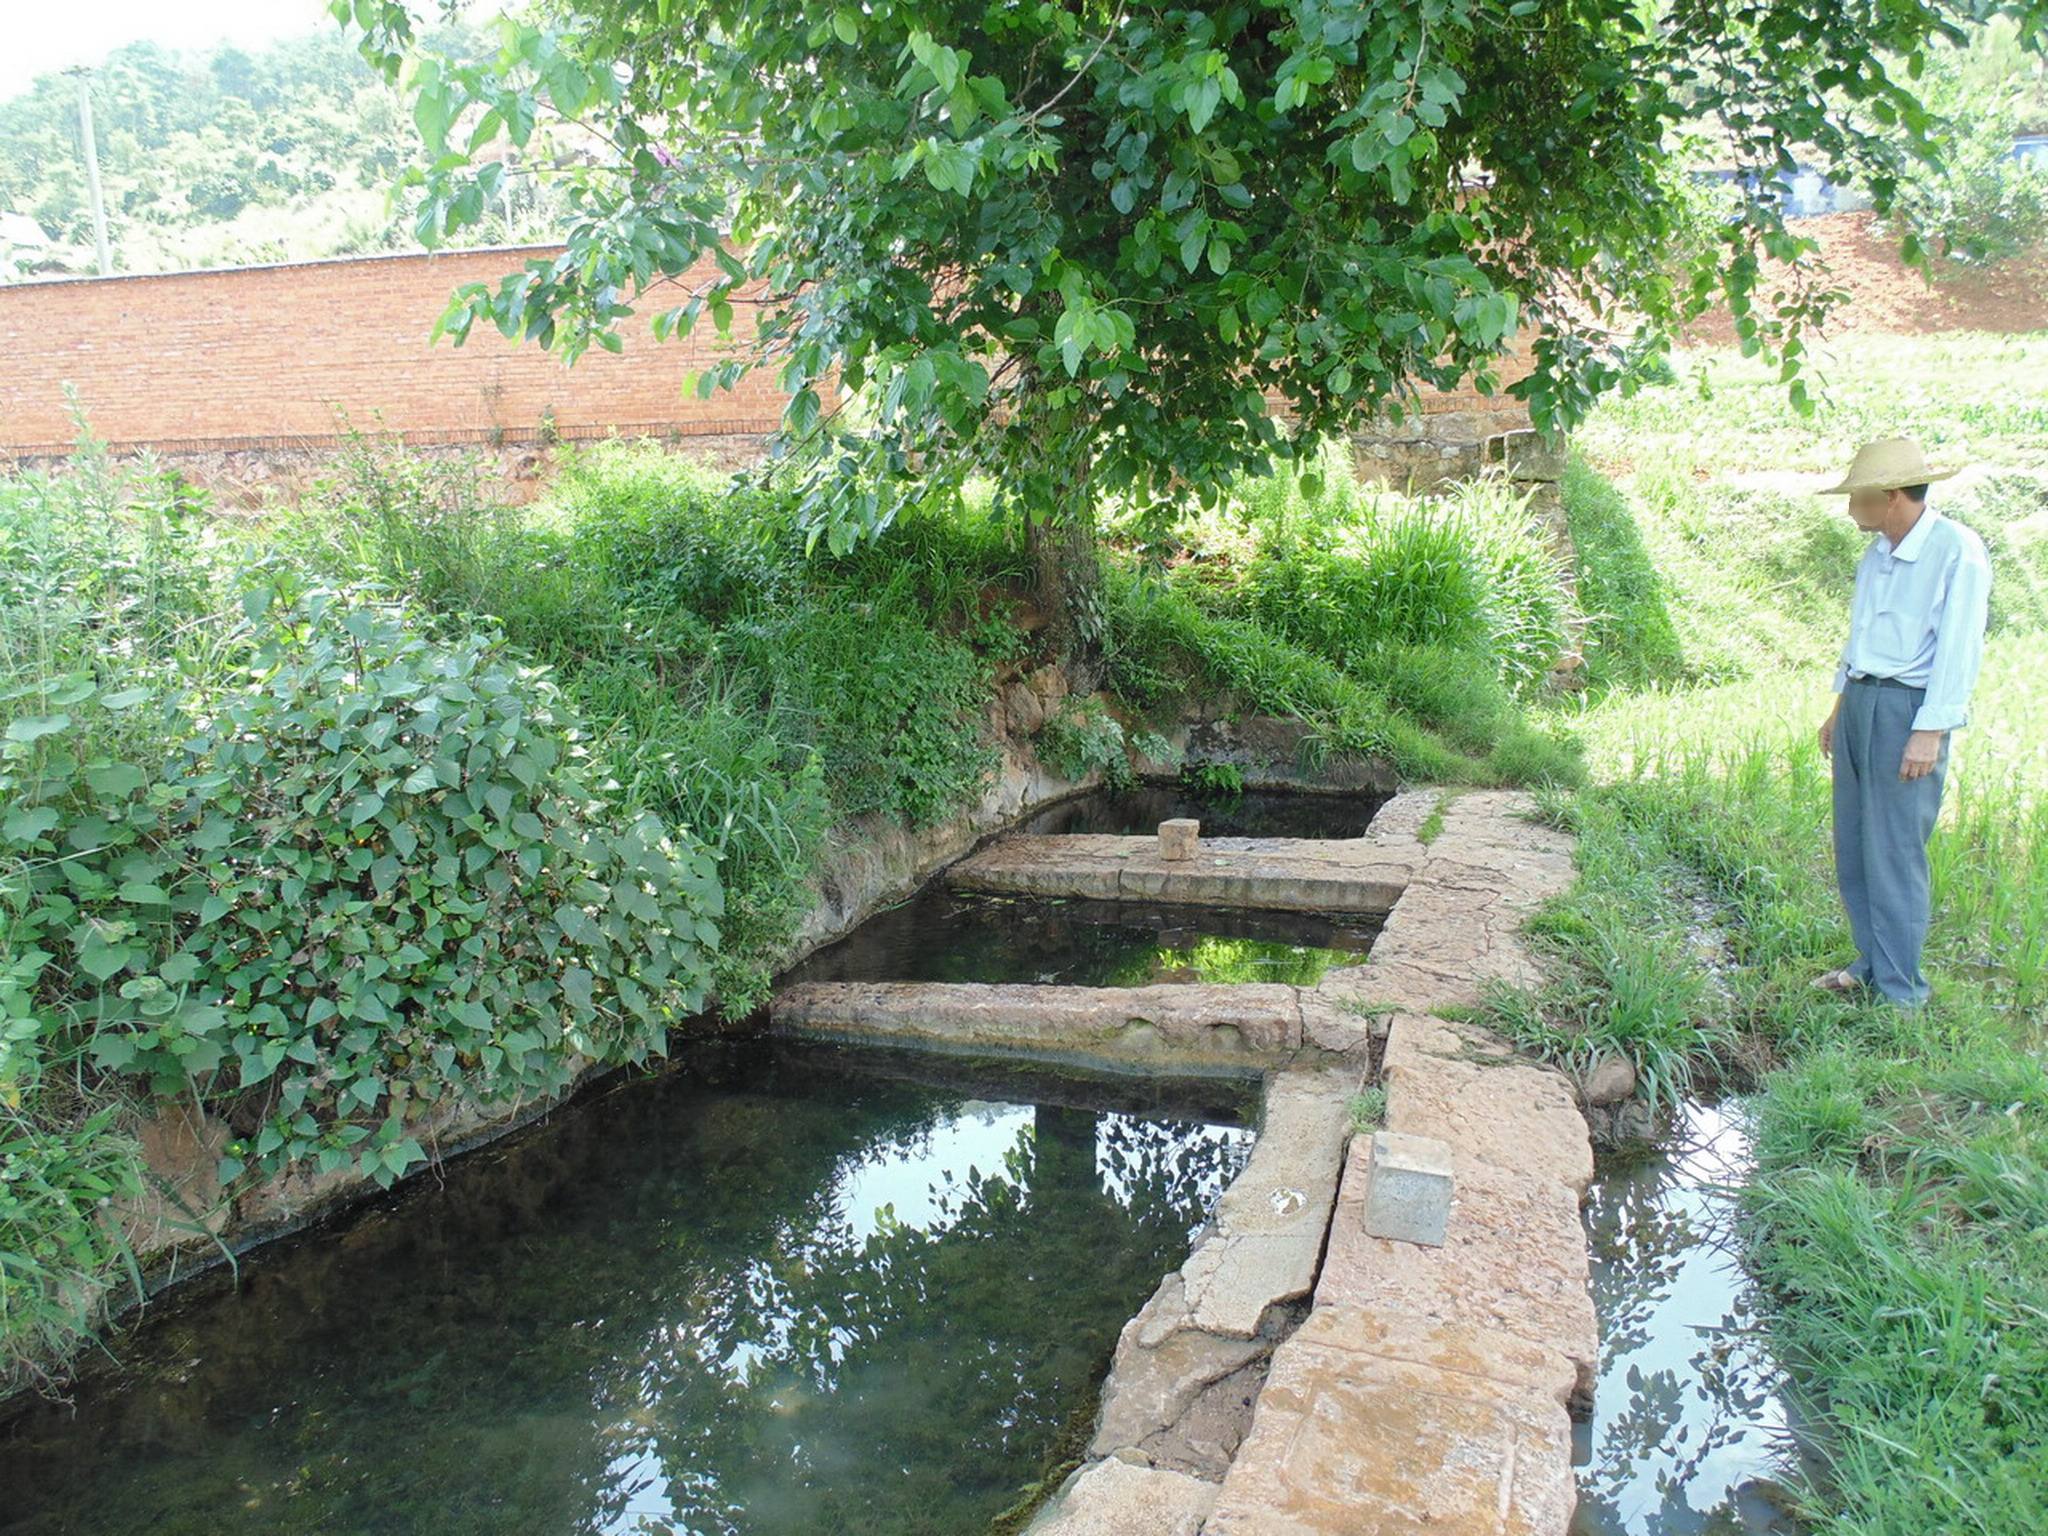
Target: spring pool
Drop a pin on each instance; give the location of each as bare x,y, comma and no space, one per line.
773,1289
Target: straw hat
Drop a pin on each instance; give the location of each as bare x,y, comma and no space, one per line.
1886,465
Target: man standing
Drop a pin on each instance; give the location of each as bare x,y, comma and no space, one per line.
1916,634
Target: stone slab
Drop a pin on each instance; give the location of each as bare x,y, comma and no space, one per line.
1251,1019
1512,1263
1422,1440
1279,874
1116,1498
1266,1240
1163,1364
1504,1111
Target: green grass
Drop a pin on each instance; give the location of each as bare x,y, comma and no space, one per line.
1899,1214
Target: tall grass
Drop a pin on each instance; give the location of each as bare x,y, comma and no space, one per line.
1413,629
103,574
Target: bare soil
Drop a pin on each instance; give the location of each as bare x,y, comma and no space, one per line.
1888,298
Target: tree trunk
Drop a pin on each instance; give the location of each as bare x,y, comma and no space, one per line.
1067,564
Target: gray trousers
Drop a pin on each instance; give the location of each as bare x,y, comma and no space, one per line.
1882,824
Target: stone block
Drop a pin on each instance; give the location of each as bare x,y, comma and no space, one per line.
1408,1188
1528,455
1179,839
1347,1441
1116,1498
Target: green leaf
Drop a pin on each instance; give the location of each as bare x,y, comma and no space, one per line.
29,823
115,780
36,727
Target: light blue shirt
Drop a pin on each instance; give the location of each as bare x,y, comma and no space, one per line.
1919,614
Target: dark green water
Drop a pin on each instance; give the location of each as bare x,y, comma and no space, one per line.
773,1290
944,935
1253,813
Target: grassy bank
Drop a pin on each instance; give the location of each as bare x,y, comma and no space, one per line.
1899,1218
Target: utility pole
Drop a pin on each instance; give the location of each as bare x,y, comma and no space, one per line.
92,166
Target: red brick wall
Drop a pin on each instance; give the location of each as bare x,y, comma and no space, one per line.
268,356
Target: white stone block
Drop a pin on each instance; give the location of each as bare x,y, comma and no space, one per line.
1179,838
1408,1188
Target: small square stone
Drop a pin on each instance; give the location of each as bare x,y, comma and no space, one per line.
1408,1189
1179,838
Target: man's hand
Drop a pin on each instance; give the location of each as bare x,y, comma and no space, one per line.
1922,747
1827,729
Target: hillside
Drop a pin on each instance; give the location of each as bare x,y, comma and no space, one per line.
282,154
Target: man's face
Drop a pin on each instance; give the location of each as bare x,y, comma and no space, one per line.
1868,509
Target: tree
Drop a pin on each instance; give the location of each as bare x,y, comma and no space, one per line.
1074,245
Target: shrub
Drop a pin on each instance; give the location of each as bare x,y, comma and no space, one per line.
1083,736
364,882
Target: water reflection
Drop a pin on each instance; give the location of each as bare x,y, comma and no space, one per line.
773,1292
1690,1426
945,935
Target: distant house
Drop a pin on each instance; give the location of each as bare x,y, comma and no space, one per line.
25,246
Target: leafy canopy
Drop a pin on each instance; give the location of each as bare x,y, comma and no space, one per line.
1076,245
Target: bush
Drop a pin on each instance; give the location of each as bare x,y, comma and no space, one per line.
1082,737
363,883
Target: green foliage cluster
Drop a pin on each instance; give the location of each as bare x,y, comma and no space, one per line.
370,875
1359,577
1411,629
273,849
1980,204
735,686
1082,737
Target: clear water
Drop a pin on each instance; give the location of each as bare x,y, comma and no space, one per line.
772,1290
959,936
1255,813
1691,1430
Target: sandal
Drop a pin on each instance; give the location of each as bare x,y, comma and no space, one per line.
1840,982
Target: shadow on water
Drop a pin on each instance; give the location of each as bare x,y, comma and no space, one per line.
1691,1430
945,935
1254,813
773,1290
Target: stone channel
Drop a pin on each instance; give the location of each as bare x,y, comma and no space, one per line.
1303,1373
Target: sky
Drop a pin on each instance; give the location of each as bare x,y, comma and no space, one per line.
42,36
